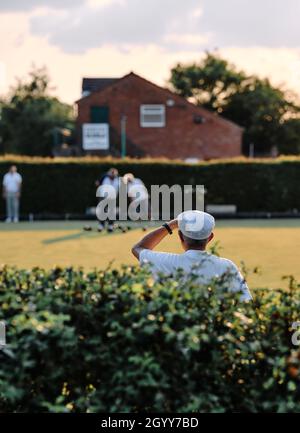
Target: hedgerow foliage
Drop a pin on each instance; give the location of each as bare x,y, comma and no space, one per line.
118,341
68,185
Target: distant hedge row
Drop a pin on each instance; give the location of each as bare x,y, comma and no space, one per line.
68,186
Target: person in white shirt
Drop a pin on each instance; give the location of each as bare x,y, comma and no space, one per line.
12,183
138,193
195,231
135,186
112,179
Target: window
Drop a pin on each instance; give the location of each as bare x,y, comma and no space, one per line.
99,114
153,116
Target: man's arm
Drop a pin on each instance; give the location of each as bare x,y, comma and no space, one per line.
151,240
238,282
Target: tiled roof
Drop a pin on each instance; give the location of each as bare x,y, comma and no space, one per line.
94,84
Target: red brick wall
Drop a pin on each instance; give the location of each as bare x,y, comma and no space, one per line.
181,138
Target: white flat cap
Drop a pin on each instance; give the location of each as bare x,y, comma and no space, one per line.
195,224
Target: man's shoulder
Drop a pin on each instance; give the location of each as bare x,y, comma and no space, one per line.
157,256
223,262
152,253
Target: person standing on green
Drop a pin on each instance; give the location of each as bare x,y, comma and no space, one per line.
12,184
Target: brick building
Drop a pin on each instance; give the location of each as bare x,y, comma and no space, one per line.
134,116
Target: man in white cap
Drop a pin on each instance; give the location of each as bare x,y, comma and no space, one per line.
195,230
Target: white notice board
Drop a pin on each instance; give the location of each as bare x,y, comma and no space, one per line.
95,136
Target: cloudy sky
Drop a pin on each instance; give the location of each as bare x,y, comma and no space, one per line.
109,38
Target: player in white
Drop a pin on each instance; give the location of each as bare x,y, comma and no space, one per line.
12,183
112,179
135,188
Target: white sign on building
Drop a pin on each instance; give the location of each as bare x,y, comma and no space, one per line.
95,136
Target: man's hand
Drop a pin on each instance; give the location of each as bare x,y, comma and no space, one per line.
173,224
152,239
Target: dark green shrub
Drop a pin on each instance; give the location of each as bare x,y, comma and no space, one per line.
61,187
118,341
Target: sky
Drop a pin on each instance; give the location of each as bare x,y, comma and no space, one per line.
110,38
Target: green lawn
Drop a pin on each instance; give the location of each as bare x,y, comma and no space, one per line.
271,245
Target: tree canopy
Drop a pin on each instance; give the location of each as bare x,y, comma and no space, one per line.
30,115
267,113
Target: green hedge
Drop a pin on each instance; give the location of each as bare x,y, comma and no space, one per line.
68,186
116,341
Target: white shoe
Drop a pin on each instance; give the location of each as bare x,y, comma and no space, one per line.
110,228
16,220
8,220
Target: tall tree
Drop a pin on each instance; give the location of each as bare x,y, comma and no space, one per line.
289,137
253,103
209,83
262,110
30,114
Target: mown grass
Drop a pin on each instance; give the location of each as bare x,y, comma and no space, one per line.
271,246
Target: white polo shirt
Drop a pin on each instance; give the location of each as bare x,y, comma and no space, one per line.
12,182
112,182
206,266
137,190
112,190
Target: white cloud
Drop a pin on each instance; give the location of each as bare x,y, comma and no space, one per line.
95,23
67,70
28,5
121,23
189,39
269,23
197,12
113,37
102,3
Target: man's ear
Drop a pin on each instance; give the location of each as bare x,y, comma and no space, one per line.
211,236
180,236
